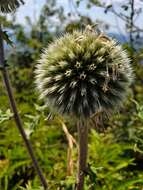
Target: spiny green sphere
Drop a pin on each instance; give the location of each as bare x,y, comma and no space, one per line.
83,73
7,6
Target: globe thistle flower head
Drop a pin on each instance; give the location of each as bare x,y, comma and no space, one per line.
83,73
7,6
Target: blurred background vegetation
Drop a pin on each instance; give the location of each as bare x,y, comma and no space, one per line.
115,146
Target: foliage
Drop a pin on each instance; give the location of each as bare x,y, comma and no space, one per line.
5,116
109,165
115,154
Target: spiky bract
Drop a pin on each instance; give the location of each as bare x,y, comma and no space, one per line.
7,6
83,73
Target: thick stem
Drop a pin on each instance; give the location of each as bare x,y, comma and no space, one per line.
18,122
83,150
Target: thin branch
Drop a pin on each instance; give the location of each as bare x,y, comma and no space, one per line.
118,26
126,19
132,23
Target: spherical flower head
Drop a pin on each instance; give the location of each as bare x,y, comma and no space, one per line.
7,6
83,73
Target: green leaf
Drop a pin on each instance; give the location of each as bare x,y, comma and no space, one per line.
5,116
6,38
128,183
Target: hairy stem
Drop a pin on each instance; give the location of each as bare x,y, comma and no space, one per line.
83,149
17,118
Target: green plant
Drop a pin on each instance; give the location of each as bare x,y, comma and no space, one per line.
29,187
10,6
5,116
110,163
16,168
83,74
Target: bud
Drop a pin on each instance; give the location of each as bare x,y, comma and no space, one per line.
87,75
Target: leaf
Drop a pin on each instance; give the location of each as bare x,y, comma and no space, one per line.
107,8
6,38
128,183
5,116
125,7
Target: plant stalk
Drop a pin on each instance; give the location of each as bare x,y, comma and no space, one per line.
132,4
17,118
83,150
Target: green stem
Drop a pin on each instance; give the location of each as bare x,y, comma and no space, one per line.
17,118
83,150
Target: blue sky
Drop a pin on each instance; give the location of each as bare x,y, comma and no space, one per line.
33,7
